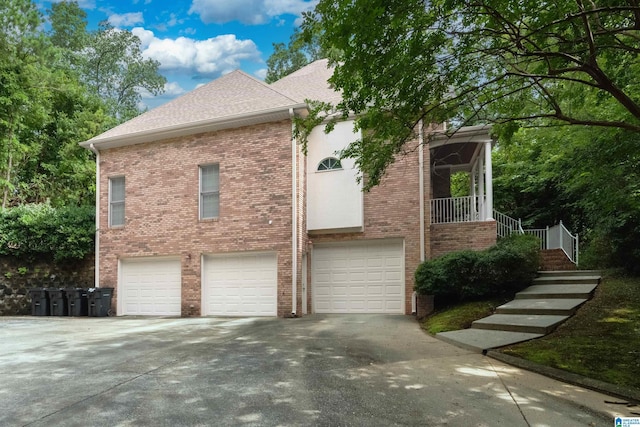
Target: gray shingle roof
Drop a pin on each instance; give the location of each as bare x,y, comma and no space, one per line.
309,82
229,98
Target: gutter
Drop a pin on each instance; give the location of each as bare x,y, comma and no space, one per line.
97,238
182,129
294,218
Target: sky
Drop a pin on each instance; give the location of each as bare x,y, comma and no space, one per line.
197,41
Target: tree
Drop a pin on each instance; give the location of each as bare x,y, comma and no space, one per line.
23,89
68,26
115,70
530,63
301,50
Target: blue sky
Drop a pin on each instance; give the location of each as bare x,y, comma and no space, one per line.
197,41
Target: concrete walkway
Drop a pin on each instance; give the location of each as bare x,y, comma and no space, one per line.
536,311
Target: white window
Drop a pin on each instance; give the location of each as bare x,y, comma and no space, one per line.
209,191
330,163
116,201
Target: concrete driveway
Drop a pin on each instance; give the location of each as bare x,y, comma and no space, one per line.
319,370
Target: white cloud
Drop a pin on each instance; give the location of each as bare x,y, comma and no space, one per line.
211,57
248,11
171,90
126,19
261,73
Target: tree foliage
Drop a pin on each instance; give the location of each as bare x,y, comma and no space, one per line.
476,61
115,70
61,85
302,49
589,178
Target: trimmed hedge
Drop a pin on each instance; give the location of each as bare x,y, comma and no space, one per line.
42,231
505,268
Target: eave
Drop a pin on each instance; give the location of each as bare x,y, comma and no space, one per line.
192,128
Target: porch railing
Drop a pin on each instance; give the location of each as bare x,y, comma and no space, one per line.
507,225
455,209
556,237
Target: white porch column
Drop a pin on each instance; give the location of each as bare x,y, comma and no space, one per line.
488,179
481,205
473,190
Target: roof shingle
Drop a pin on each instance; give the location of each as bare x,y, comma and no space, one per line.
233,95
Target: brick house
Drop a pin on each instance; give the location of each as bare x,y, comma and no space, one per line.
207,206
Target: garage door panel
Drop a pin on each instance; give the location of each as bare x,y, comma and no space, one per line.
240,285
151,287
359,277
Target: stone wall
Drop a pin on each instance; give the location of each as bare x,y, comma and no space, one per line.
17,276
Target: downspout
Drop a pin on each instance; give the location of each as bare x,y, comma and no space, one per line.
97,239
294,217
421,186
414,296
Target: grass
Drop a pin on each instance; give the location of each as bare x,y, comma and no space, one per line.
460,316
601,341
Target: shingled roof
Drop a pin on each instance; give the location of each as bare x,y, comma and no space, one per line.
235,99
309,83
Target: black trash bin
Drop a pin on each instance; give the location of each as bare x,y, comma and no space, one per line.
77,302
39,302
57,302
99,301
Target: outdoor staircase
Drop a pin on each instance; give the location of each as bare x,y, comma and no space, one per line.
536,311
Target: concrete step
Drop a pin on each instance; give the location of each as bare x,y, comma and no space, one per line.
480,340
555,306
568,273
557,291
526,323
566,280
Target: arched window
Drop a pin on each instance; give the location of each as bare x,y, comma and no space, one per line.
330,163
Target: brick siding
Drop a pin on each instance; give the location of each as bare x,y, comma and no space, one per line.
555,260
447,238
162,198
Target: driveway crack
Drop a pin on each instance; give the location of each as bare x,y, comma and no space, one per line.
506,387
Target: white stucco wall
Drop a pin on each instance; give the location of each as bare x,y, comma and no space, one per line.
334,198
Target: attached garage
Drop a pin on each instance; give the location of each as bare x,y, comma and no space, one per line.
241,284
150,287
359,277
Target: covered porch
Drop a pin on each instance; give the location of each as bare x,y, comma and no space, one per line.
467,150
469,221
466,221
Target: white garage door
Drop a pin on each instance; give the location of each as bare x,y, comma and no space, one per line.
240,285
358,277
150,286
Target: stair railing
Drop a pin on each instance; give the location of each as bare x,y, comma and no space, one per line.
556,237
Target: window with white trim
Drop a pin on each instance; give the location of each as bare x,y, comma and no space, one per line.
209,191
330,163
116,201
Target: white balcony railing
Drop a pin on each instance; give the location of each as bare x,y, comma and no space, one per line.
455,209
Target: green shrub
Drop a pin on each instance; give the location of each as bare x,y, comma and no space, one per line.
40,230
507,267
